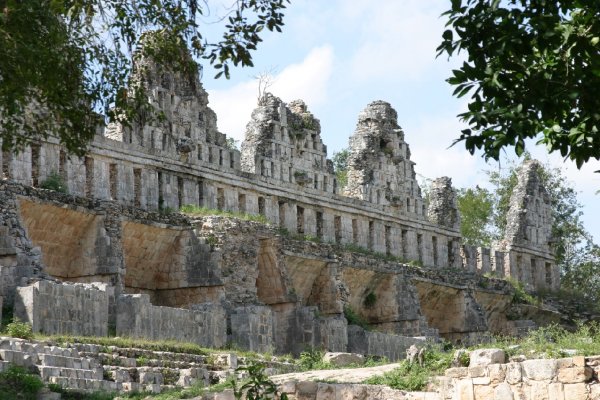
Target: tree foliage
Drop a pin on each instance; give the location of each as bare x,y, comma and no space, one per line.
476,207
577,256
60,60
340,166
533,66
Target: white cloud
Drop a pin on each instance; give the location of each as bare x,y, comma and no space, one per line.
429,140
398,39
307,80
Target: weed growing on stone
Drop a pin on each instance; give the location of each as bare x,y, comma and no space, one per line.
554,341
195,391
203,211
370,299
312,359
258,386
521,295
415,377
354,319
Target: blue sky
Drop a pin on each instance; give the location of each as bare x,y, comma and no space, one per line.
339,55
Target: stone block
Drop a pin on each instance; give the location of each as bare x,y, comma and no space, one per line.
343,359
576,391
306,388
478,371
594,391
288,387
497,372
503,392
464,390
483,392
514,373
538,390
460,372
539,370
556,391
574,374
486,357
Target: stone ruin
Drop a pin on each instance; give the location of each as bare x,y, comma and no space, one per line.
112,256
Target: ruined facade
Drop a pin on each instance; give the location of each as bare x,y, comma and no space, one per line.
252,284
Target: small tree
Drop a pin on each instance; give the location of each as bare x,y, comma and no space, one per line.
476,207
340,166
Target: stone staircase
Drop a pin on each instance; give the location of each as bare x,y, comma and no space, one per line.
58,365
92,367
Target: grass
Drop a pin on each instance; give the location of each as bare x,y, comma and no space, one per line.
554,341
548,342
312,359
194,391
160,345
203,211
414,377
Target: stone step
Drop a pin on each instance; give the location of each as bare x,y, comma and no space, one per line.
19,358
50,360
154,355
121,361
82,384
47,372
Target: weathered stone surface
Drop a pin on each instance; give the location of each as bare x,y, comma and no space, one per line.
574,374
576,391
529,232
503,392
204,325
343,359
483,357
53,308
538,370
443,209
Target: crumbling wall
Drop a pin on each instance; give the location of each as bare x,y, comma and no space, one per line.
20,259
528,236
379,167
443,208
204,324
573,378
55,308
283,143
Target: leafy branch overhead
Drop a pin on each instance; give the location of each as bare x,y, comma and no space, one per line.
532,71
61,60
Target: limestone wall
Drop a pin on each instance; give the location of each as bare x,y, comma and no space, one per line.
54,308
572,378
204,324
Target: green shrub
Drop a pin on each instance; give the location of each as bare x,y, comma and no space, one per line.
16,383
19,329
54,182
